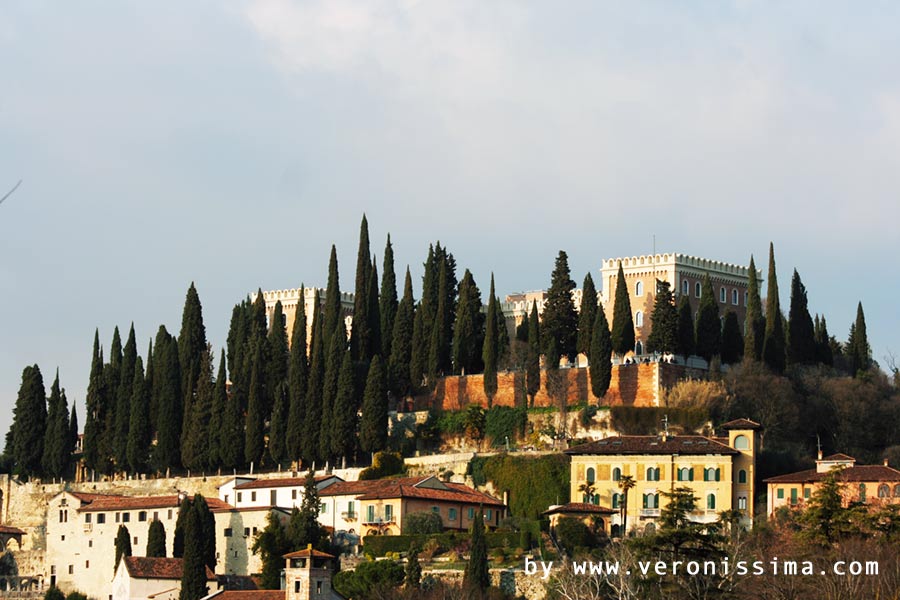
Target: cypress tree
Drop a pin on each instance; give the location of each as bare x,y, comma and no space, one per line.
335,351
374,314
73,437
401,344
823,342
123,545
95,403
29,424
708,338
443,324
112,373
388,304
685,339
360,334
533,356
732,341
467,331
156,539
278,427
601,355
184,511
123,401
304,528
801,343
195,448
149,378
139,432
207,523
559,328
413,574
231,439
477,576
193,578
53,459
424,319
858,350
217,416
489,349
298,374
254,442
312,423
587,316
773,344
166,389
373,426
755,325
502,336
663,337
622,332
332,308
434,356
343,420
191,346
278,352
237,335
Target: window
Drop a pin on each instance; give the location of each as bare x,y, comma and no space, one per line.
246,532
638,319
389,513
118,517
87,517
746,296
710,501
436,510
793,495
742,503
318,587
71,569
639,288
742,476
652,473
252,496
685,474
617,474
142,516
471,513
617,500
734,297
254,531
741,442
884,491
807,493
897,491
591,475
323,508
452,514
296,586
862,492
273,498
685,287
370,513
639,348
63,516
101,518
126,517
87,564
169,515
710,474
489,514
780,493
351,509
651,500
240,496
135,542
156,514
226,498
722,293
62,538
697,289
228,532
90,543
293,494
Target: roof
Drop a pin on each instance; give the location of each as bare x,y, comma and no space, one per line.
307,552
353,488
740,424
860,473
651,444
242,509
436,490
280,482
145,567
8,530
580,508
104,503
838,457
87,496
250,595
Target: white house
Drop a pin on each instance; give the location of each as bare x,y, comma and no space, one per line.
142,578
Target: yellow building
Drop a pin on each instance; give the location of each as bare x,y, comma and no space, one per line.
719,470
871,484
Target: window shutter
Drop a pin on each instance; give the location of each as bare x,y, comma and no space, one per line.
718,474
691,474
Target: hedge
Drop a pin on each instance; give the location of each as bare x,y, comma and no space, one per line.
380,545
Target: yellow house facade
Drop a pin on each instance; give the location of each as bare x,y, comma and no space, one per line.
719,470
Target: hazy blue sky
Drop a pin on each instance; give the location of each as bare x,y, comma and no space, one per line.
231,143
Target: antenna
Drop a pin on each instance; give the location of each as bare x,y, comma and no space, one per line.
819,444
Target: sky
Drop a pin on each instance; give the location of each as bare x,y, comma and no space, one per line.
231,143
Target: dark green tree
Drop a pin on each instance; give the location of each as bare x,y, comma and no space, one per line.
533,357
773,343
477,576
184,510
271,545
559,325
312,422
489,348
195,444
502,336
467,331
191,348
123,545
755,324
332,309
373,425
254,427
344,419
424,318
230,446
413,574
360,333
801,343
278,357
622,331
388,300
217,417
708,338
298,376
54,461
858,350
663,336
374,313
304,527
336,348
207,523
193,578
96,405
156,539
123,401
167,393
139,432
73,435
401,345
601,355
587,316
112,374
278,427
685,327
823,341
732,341
29,424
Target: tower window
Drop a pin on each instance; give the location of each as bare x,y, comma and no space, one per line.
722,295
685,287
639,288
734,297
697,289
639,319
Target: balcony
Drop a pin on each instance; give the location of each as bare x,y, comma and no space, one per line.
88,527
380,521
649,513
349,515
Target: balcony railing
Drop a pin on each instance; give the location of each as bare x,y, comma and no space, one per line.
380,521
649,512
349,515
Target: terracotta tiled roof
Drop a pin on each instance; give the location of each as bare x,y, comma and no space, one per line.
410,488
839,456
651,444
144,567
106,503
580,508
740,424
243,509
250,595
307,552
860,473
355,488
281,482
8,530
89,497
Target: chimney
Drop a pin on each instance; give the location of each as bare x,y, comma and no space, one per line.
886,462
820,454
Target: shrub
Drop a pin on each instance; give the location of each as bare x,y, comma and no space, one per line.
573,533
504,421
534,483
384,464
54,593
76,596
369,579
422,522
452,422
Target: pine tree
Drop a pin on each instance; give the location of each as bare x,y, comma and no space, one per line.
312,423
823,342
663,337
801,343
231,438
195,446
166,390
29,424
278,358
219,401
773,343
685,340
332,308
388,304
343,419
755,324
112,374
254,442
601,355
708,338
587,316
533,357
559,327
413,574
489,349
156,539
622,332
298,374
424,318
732,341
502,336
477,576
123,545
207,523
193,578
53,460
123,401
401,344
335,359
139,432
95,403
373,425
191,346
178,538
360,334
73,437
374,314
858,349
467,331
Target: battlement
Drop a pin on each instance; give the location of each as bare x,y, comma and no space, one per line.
677,259
272,296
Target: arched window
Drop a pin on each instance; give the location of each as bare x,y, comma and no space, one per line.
617,500
862,492
709,474
638,319
616,474
897,491
652,473
639,348
735,297
722,295
711,501
651,500
591,475
639,288
697,288
742,476
685,287
741,442
685,474
884,491
615,530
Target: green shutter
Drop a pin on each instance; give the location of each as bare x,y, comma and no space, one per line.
691,474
